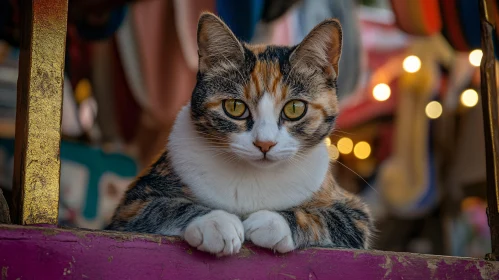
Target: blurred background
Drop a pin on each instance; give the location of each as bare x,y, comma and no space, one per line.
409,139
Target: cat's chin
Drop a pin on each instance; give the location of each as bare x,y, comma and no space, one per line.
265,163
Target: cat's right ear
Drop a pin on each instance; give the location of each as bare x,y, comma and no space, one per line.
218,47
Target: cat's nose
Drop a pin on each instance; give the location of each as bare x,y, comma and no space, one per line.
264,146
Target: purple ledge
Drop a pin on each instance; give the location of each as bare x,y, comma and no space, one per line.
52,253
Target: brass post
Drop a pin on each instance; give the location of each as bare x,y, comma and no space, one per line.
39,111
490,122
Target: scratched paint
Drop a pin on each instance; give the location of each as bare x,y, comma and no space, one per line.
5,272
60,254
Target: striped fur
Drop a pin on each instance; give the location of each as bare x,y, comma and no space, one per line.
215,188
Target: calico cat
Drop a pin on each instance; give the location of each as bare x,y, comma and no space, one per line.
246,158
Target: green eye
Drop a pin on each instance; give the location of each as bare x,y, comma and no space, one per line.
235,108
294,110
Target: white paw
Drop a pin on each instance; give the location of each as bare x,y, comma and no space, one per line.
217,232
269,230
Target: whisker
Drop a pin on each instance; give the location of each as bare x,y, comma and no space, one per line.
358,176
344,132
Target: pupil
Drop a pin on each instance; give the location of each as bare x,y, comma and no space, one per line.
234,105
294,108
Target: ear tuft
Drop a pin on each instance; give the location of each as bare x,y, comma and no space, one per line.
217,45
321,47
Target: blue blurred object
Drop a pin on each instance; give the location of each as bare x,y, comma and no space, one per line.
241,16
100,32
469,15
470,21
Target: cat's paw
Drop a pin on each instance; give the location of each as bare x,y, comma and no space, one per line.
269,230
217,232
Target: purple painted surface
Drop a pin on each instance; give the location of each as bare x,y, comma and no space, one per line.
47,253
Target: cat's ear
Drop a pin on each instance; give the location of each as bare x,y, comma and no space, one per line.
217,45
321,47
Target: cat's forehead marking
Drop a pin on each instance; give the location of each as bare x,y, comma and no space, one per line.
267,74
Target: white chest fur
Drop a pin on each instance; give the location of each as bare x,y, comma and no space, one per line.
236,186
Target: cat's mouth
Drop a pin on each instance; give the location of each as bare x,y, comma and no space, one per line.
264,162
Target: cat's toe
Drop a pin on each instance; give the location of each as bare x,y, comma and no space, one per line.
218,233
285,245
193,235
269,230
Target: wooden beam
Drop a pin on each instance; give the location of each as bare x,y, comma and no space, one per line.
82,254
39,104
4,210
490,121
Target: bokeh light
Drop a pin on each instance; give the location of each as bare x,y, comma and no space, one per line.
412,64
381,92
362,150
333,152
434,110
476,57
469,98
327,141
345,145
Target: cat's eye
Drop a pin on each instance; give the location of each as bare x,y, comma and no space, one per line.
294,110
235,109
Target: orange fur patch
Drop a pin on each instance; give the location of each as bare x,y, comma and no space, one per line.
131,210
256,81
163,168
266,77
256,49
247,90
320,108
188,192
211,105
283,95
309,222
361,225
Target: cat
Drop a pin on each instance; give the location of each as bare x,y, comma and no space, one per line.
246,159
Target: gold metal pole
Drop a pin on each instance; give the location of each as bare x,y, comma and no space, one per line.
39,110
490,121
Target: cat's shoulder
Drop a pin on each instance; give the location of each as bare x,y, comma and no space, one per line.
158,178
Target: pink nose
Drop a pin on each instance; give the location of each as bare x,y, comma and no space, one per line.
264,146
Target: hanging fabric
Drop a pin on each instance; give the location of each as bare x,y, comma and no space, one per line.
457,20
312,12
128,49
452,25
167,76
417,17
127,110
186,14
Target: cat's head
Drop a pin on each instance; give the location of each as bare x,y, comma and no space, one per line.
265,104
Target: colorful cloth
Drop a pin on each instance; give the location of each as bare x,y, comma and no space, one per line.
92,182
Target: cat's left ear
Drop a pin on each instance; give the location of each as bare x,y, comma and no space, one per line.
320,48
